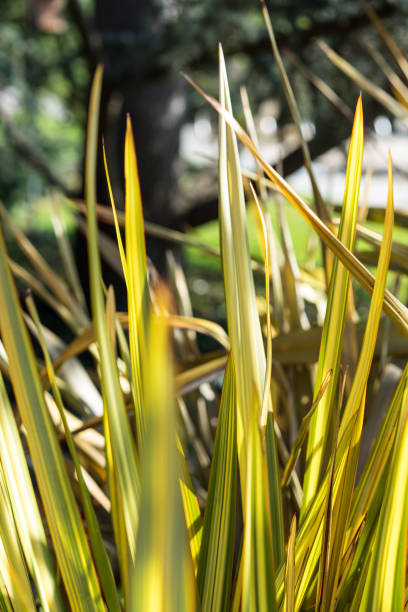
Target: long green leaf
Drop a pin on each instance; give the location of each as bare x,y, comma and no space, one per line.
5,603
115,219
290,569
266,395
138,291
369,494
163,577
385,585
379,455
310,534
25,508
331,344
121,452
13,569
71,547
243,321
352,421
258,590
102,562
214,575
192,511
303,431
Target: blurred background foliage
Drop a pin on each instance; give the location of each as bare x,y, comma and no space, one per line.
49,50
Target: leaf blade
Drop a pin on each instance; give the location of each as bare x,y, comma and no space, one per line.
215,563
321,427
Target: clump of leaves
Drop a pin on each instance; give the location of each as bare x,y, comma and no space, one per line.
144,507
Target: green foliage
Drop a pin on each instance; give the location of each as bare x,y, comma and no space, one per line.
43,83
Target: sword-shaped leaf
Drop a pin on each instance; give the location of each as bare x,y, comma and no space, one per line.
102,562
352,421
258,586
138,291
25,508
290,585
64,521
122,466
385,584
163,576
321,426
243,322
308,543
214,575
13,570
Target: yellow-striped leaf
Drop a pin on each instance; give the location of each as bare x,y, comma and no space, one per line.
386,581
191,507
138,290
123,477
321,426
102,562
69,540
163,577
214,575
290,576
352,421
13,570
243,322
25,509
258,587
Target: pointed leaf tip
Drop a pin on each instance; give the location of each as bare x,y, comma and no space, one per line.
220,52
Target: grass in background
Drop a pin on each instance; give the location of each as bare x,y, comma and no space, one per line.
208,233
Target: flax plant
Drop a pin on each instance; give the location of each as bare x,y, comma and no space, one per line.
140,500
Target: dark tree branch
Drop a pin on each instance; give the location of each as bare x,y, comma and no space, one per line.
87,32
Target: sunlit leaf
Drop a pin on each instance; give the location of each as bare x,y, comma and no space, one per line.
352,420
321,427
25,509
102,562
13,570
214,575
290,569
258,590
71,547
163,577
138,291
243,322
123,476
385,585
